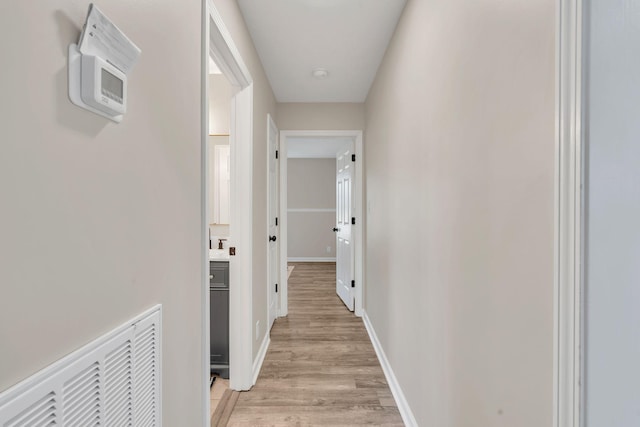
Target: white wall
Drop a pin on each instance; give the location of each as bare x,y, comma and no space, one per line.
220,94
101,221
311,184
320,116
263,103
459,145
612,129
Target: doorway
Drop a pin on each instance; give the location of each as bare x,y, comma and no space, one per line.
218,46
220,93
326,145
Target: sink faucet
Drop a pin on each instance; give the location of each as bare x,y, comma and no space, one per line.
220,243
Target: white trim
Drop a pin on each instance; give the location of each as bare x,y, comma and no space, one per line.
224,51
311,259
218,44
359,195
359,227
205,393
257,364
305,210
398,395
241,237
568,216
283,303
158,308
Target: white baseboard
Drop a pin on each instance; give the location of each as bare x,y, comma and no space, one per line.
403,406
311,259
257,364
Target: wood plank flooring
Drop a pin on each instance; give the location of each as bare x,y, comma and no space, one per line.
321,368
220,417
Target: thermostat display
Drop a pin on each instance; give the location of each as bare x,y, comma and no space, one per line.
104,87
112,87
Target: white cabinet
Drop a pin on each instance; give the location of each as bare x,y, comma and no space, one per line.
219,179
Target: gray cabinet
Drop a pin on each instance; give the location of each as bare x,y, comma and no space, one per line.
219,317
219,274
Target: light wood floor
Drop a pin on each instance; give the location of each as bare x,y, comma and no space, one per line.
217,390
321,368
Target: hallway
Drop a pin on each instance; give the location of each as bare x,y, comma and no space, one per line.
321,368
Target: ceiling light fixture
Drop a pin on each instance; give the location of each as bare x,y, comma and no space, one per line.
320,73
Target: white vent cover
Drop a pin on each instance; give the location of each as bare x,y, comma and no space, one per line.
112,382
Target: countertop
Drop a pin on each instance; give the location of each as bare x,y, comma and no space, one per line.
218,254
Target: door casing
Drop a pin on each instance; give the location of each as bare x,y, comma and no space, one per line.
568,378
358,229
218,44
270,281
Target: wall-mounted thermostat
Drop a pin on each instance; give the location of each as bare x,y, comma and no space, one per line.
103,86
98,67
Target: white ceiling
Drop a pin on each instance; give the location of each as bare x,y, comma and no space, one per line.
346,37
315,147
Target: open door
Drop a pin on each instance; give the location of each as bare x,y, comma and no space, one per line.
274,235
345,248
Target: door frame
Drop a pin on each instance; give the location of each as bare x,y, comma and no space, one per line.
359,212
271,122
568,217
217,43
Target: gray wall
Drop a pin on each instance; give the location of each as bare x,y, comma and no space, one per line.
101,221
311,184
459,145
612,214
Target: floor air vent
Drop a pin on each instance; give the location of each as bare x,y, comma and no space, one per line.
113,382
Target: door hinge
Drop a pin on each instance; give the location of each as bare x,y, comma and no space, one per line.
353,283
353,220
353,157
232,251
276,287
276,221
276,154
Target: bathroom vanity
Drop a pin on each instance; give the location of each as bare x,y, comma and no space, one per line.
219,315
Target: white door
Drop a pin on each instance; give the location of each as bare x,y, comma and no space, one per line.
345,253
274,235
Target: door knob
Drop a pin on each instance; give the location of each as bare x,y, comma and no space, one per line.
335,229
272,238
